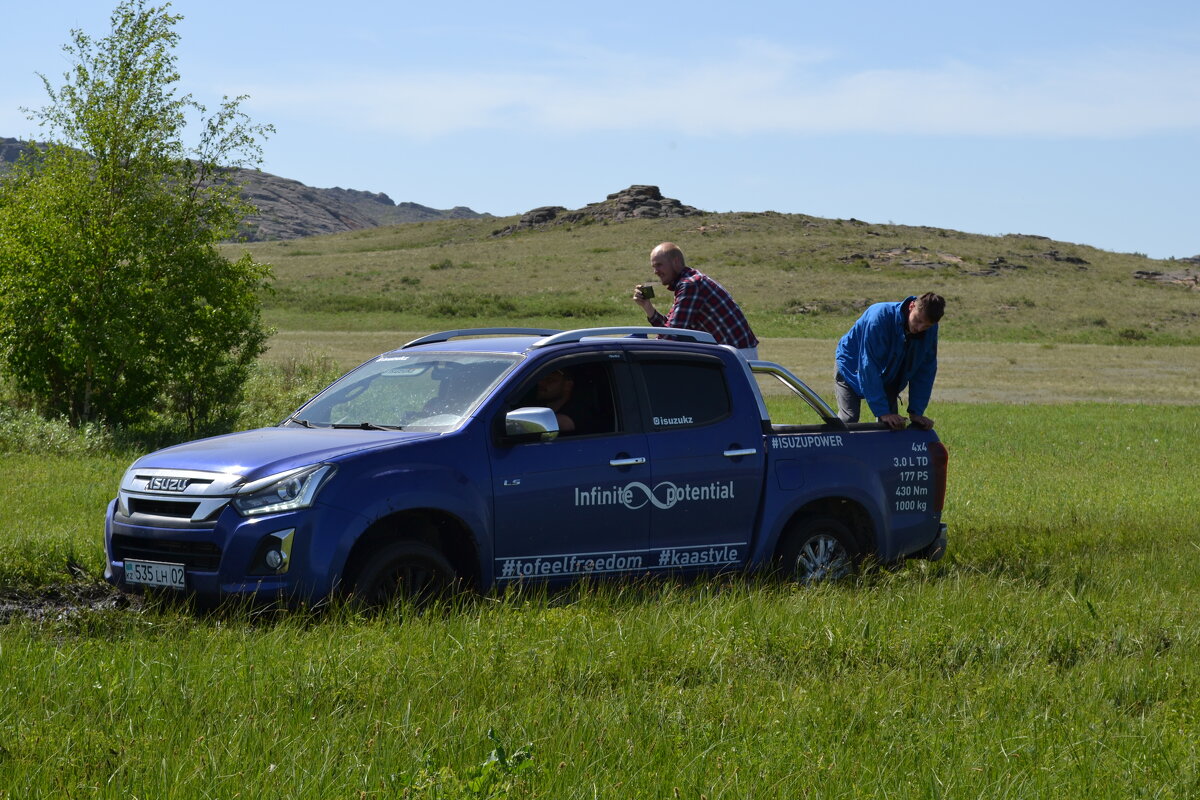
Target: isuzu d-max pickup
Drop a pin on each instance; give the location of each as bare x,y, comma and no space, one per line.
477,458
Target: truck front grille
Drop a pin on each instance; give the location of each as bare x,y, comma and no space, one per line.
162,508
196,555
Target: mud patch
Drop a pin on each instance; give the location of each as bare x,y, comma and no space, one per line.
56,603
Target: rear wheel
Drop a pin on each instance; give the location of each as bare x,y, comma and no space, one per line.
404,571
819,549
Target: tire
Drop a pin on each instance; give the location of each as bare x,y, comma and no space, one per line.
412,571
819,549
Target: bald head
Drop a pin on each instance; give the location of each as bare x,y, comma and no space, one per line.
667,262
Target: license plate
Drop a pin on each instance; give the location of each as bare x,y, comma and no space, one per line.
154,573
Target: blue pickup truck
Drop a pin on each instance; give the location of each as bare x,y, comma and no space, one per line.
455,462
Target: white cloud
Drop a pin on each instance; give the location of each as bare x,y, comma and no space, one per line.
762,88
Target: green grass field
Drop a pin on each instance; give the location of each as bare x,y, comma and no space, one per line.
1053,653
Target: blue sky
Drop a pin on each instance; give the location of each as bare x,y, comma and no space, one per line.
1074,120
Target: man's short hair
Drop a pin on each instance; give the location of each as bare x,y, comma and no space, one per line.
932,306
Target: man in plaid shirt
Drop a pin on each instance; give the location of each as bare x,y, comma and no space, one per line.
701,304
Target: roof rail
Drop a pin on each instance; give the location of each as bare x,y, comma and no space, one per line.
445,336
562,337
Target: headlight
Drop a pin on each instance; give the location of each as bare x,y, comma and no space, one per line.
286,491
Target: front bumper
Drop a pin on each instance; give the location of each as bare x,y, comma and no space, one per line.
226,559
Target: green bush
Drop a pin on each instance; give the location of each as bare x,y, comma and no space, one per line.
277,389
115,297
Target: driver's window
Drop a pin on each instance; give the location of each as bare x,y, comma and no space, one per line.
581,396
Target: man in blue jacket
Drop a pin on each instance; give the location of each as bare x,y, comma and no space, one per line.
892,345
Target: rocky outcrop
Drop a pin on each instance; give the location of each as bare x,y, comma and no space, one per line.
1054,255
288,209
10,150
912,257
1187,277
636,202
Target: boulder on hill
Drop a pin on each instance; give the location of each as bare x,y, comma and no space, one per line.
636,202
1187,277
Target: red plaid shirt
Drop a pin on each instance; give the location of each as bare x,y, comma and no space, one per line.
702,304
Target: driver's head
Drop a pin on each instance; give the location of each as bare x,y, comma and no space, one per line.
553,386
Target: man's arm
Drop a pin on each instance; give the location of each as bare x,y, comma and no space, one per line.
920,385
872,356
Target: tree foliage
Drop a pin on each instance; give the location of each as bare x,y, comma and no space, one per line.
114,298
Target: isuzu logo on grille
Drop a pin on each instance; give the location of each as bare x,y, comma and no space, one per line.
164,484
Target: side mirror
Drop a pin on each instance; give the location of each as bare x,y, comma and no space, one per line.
530,424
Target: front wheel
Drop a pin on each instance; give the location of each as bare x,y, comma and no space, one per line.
404,570
819,550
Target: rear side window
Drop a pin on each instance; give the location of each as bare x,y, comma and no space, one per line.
685,394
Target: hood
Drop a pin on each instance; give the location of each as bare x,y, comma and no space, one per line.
265,451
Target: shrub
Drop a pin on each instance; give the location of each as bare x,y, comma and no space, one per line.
26,431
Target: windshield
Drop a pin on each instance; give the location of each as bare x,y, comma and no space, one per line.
426,392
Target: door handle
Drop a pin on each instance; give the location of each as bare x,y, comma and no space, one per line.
749,451
626,462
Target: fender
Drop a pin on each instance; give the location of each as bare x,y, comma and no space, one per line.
389,489
782,514
842,477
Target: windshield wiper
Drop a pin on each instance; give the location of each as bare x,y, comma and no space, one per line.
301,422
368,426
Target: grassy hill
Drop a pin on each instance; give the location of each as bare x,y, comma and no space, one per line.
795,275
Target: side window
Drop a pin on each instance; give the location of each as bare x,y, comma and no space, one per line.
685,394
581,395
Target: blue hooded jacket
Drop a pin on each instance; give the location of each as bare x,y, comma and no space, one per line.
872,360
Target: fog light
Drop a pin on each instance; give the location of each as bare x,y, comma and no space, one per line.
273,556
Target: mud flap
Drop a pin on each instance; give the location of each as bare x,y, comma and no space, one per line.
935,549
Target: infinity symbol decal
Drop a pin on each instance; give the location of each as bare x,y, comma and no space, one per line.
651,495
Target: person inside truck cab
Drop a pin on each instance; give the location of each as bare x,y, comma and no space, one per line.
891,346
576,395
555,391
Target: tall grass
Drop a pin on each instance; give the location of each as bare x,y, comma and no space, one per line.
275,388
278,387
23,430
1053,653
